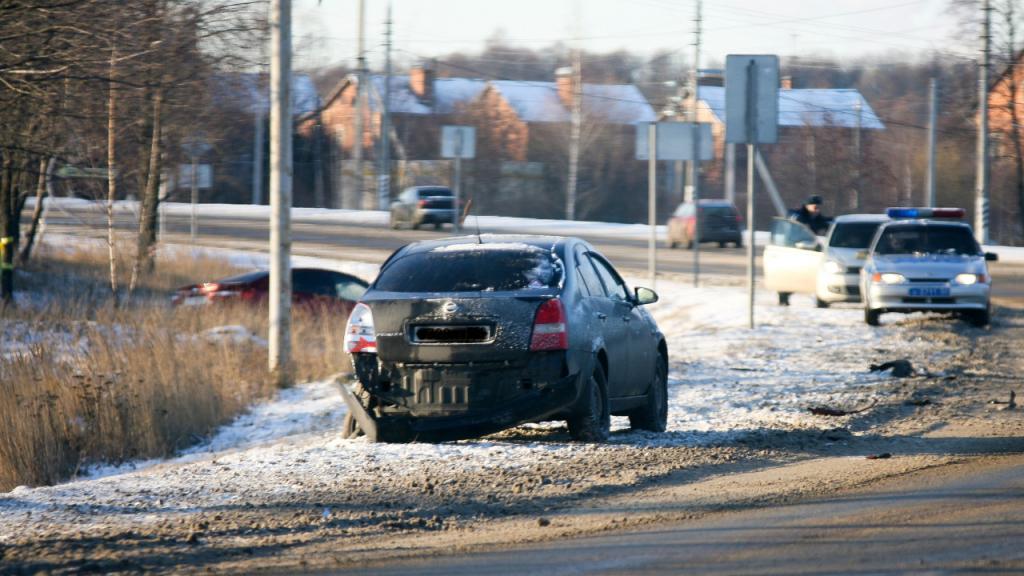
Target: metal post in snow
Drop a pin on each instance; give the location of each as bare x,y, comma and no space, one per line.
456,208
695,140
652,198
279,345
933,106
194,199
751,120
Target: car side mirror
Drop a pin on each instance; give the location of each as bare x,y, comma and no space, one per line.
991,257
644,296
808,245
862,255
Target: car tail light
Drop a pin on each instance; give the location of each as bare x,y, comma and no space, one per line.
359,334
208,288
549,329
422,203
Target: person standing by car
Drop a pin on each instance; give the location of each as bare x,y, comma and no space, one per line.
810,215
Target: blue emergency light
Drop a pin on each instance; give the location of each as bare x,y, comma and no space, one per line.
900,213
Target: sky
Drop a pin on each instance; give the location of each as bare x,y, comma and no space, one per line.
325,31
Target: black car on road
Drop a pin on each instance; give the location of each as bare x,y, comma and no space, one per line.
421,205
462,337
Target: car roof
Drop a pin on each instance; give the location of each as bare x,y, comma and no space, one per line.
923,222
547,242
845,218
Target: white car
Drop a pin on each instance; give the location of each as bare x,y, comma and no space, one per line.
919,263
797,261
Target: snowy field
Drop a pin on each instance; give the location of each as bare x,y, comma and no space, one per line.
726,381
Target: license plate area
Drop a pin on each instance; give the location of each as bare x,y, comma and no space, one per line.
929,292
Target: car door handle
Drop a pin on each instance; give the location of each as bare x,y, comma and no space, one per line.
601,316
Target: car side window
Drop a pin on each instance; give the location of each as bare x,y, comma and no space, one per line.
788,233
588,275
313,282
347,288
613,284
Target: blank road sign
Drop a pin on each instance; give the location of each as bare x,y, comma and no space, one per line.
759,101
458,142
675,141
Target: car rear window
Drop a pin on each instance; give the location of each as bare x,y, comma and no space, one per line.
853,234
718,212
428,192
952,240
473,267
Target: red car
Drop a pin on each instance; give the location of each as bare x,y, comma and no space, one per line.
311,287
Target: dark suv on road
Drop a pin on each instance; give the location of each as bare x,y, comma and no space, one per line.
421,205
462,337
719,222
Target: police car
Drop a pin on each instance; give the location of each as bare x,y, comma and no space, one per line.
926,260
796,261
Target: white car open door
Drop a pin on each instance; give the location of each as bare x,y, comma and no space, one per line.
791,258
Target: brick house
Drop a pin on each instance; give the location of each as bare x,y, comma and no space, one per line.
522,132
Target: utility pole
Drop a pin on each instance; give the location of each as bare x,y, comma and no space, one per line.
855,197
576,119
355,197
257,150
280,337
194,197
695,163
384,167
933,107
981,231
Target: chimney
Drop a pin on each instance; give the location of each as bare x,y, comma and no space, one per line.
421,81
563,80
786,83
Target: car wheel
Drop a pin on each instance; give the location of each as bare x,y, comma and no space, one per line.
592,420
350,427
415,224
437,225
784,298
871,316
672,244
818,302
393,222
689,243
653,416
722,244
978,318
738,243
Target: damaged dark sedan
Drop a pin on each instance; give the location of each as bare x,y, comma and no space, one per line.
462,337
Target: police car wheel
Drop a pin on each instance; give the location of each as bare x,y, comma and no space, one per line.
871,316
784,298
978,318
818,302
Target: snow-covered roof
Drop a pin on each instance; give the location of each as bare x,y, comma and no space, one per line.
253,92
809,107
448,93
532,101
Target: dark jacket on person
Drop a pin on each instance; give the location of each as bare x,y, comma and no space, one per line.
818,223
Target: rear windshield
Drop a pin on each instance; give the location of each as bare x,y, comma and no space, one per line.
952,240
717,211
434,192
853,234
473,267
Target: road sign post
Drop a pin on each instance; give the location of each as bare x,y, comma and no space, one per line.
458,142
669,141
751,118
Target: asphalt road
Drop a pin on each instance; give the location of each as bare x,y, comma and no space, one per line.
373,243
971,522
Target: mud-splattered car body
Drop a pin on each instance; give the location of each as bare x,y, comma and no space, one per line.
466,336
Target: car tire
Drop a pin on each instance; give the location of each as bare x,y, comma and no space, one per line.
784,298
978,318
437,225
592,421
722,244
415,224
350,427
393,222
819,303
689,243
871,316
672,244
653,416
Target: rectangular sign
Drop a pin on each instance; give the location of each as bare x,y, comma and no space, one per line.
751,99
675,141
458,142
204,176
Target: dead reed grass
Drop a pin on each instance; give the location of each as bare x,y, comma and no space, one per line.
98,383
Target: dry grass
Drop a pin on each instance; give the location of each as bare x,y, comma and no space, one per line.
106,384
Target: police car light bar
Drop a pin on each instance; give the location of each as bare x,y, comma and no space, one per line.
925,213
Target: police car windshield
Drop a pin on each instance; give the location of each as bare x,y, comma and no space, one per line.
853,234
916,239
